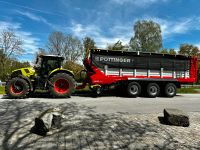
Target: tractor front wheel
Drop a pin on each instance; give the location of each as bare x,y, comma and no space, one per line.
62,85
17,88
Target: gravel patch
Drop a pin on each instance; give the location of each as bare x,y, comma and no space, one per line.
83,128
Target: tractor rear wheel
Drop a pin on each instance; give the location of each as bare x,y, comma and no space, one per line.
62,85
17,88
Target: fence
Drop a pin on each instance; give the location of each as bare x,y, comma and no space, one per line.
2,83
190,86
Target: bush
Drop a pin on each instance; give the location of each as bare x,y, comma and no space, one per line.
188,90
76,68
11,64
2,90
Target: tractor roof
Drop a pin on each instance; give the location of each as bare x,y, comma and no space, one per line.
52,56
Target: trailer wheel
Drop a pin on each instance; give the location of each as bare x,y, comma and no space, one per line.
153,90
17,88
133,89
170,90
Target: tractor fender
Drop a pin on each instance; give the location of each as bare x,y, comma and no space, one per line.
28,80
60,71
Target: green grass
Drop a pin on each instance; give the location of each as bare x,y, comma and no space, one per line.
188,90
83,91
2,90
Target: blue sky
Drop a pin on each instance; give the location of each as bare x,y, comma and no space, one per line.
106,21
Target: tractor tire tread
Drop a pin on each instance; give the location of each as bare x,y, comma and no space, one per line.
10,94
71,88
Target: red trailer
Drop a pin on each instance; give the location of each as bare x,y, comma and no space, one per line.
137,72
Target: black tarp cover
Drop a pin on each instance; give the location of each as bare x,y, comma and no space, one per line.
131,60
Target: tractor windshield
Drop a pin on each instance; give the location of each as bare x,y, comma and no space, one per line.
48,64
51,64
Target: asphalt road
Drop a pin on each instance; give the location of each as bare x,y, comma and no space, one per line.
113,104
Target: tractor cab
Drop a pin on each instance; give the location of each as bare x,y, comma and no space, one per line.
47,63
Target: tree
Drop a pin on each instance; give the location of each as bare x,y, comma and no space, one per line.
56,43
10,44
164,51
172,51
117,46
147,37
88,43
67,46
10,47
12,64
75,67
41,51
189,50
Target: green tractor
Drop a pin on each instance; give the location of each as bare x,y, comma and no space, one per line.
47,74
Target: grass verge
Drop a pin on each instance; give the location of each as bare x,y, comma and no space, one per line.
2,90
188,90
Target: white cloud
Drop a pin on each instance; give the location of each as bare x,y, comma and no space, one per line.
124,33
117,33
173,27
36,18
81,31
196,44
103,42
7,25
140,3
31,16
30,44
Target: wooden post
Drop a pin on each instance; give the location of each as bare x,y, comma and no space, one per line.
161,72
106,70
148,73
120,72
135,72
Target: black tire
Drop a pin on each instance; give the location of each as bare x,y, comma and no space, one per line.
153,90
17,88
62,85
170,90
133,89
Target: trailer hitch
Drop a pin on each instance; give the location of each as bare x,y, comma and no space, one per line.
96,88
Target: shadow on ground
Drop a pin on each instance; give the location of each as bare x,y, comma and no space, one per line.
83,128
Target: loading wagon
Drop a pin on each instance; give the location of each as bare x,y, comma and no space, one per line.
136,72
